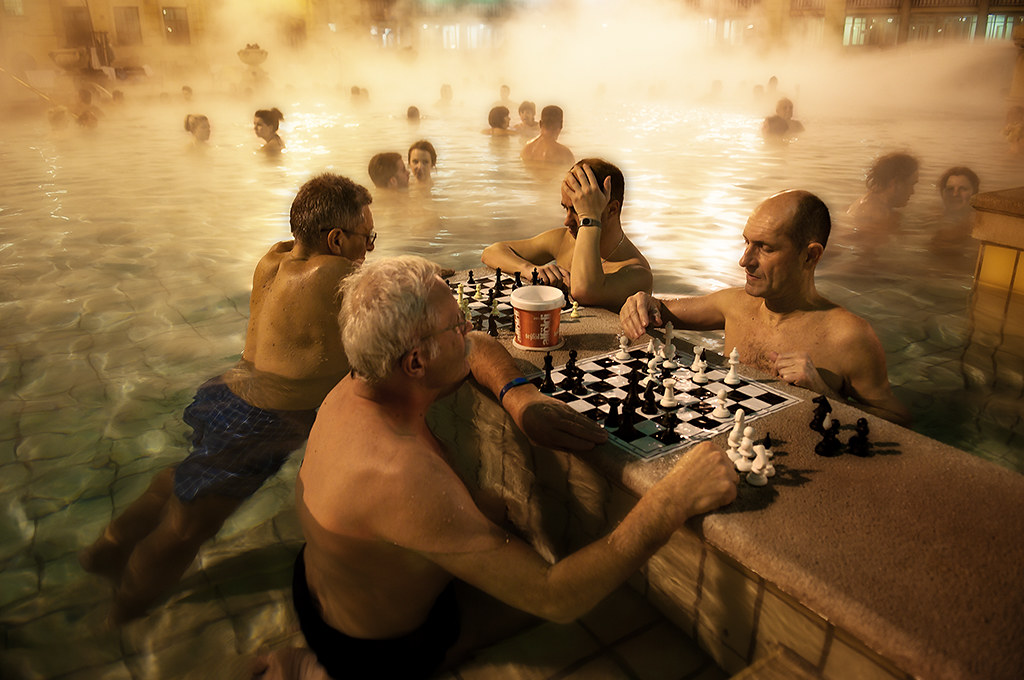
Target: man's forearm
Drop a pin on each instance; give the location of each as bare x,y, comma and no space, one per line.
503,257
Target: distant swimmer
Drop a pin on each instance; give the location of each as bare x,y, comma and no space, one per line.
778,321
590,256
445,102
957,186
247,421
412,114
544,147
198,126
505,97
387,171
422,161
265,124
890,183
528,124
782,124
498,120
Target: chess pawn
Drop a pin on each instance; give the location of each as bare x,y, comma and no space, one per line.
720,410
623,353
757,475
697,351
668,400
498,283
734,359
698,377
479,294
746,450
575,313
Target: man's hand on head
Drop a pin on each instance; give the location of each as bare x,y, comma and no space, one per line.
638,312
797,369
549,422
589,198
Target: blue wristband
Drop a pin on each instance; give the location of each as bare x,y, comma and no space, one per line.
514,382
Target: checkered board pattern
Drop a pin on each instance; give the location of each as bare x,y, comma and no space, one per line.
480,309
605,377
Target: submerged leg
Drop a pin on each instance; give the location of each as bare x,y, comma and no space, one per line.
160,559
108,555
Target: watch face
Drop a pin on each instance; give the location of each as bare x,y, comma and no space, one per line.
588,222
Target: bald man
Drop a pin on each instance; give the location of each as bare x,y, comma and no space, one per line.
778,321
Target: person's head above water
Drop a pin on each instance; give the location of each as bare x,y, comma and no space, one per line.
266,122
893,176
387,311
602,170
498,118
387,171
528,112
412,114
336,208
956,187
421,160
198,125
784,108
551,118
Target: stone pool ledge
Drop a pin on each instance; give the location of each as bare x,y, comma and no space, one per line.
904,564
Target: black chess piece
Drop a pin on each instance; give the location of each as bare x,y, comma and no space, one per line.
859,444
478,322
650,406
613,420
548,386
492,326
627,430
830,446
578,388
470,280
821,409
517,281
534,279
767,441
498,283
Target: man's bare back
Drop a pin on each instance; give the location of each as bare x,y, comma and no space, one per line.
293,354
544,150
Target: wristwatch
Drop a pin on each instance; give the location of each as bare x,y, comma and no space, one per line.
589,222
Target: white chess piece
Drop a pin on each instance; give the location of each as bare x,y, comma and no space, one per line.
698,377
668,400
669,352
479,294
757,476
737,429
746,450
623,354
734,360
575,313
697,351
720,410
652,370
462,293
670,333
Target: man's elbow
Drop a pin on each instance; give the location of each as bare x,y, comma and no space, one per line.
490,256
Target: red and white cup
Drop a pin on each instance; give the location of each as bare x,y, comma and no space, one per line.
537,311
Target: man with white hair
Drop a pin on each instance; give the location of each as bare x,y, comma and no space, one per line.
389,582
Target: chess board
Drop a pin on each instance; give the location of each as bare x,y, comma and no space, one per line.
480,310
605,377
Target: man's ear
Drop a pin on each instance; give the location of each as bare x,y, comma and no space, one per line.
334,241
412,363
813,253
393,183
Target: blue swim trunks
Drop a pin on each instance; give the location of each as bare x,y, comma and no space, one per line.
235,446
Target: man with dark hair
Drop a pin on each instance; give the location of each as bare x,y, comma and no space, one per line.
248,420
590,257
422,161
957,187
545,147
778,321
388,171
890,183
527,118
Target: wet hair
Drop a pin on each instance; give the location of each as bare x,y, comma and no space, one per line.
272,118
603,169
424,145
383,167
889,168
385,312
962,171
527,106
194,119
325,202
496,118
551,117
811,222
412,113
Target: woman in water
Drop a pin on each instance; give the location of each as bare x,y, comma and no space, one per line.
265,124
198,126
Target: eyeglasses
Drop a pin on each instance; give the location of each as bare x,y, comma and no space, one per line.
462,327
370,238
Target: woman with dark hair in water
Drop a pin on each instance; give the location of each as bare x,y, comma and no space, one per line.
265,124
198,126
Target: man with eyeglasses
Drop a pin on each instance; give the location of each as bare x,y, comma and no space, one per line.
248,420
590,257
401,572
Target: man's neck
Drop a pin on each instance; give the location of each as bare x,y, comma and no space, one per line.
780,307
400,402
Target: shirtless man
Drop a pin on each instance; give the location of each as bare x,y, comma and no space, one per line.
778,321
393,536
422,161
545,147
247,421
388,171
527,119
592,258
890,183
